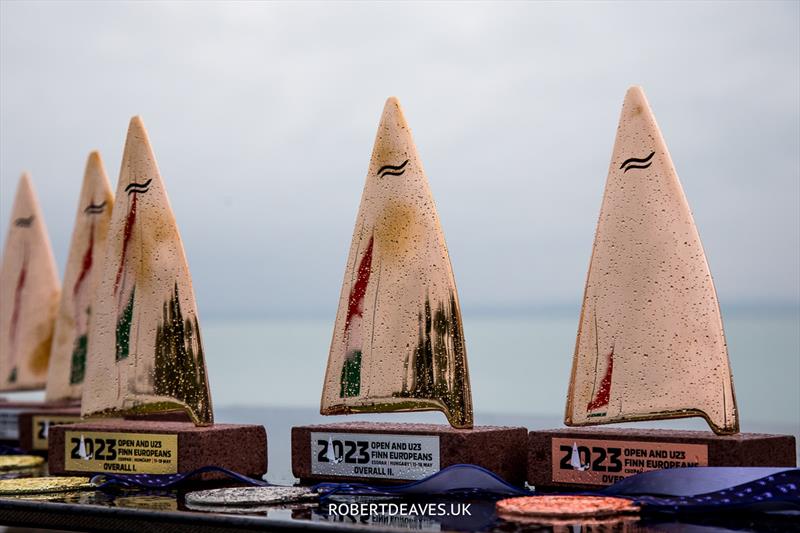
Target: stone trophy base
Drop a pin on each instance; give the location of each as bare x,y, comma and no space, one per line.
10,412
593,457
156,447
35,425
378,453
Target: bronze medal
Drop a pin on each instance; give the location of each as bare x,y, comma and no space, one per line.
564,506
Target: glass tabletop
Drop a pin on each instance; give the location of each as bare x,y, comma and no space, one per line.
142,510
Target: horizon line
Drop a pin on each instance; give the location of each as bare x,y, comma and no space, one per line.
497,311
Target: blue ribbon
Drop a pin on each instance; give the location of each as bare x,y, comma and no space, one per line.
697,489
166,481
689,481
712,489
467,479
10,450
462,480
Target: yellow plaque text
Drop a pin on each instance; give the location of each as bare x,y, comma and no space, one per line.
120,453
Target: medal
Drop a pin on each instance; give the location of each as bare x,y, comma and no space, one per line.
38,485
18,462
565,506
250,496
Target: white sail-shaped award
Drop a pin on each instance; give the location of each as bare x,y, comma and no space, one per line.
398,343
145,366
30,291
650,341
84,263
144,352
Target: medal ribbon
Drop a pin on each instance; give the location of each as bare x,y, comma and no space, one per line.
676,490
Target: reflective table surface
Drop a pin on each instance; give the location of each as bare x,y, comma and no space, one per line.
159,510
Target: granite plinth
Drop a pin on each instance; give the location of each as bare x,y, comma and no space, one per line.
35,425
156,447
9,418
397,453
593,457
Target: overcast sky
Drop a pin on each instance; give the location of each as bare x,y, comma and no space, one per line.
262,117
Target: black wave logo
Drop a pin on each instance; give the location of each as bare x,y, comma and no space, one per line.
24,222
95,209
635,162
392,170
138,188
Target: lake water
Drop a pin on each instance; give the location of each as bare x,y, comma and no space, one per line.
518,364
270,371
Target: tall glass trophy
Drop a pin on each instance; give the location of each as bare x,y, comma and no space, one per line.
398,342
30,290
145,354
71,333
650,341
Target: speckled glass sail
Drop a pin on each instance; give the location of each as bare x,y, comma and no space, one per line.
650,341
30,290
398,343
85,261
145,353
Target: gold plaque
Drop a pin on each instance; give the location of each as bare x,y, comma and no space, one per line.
145,353
120,453
41,427
30,290
398,343
650,341
85,260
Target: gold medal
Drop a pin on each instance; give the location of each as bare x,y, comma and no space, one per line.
38,485
18,462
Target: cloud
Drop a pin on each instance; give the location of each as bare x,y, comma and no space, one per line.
513,106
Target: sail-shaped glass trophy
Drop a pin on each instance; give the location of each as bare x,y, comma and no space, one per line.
398,342
30,291
650,341
70,335
145,355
